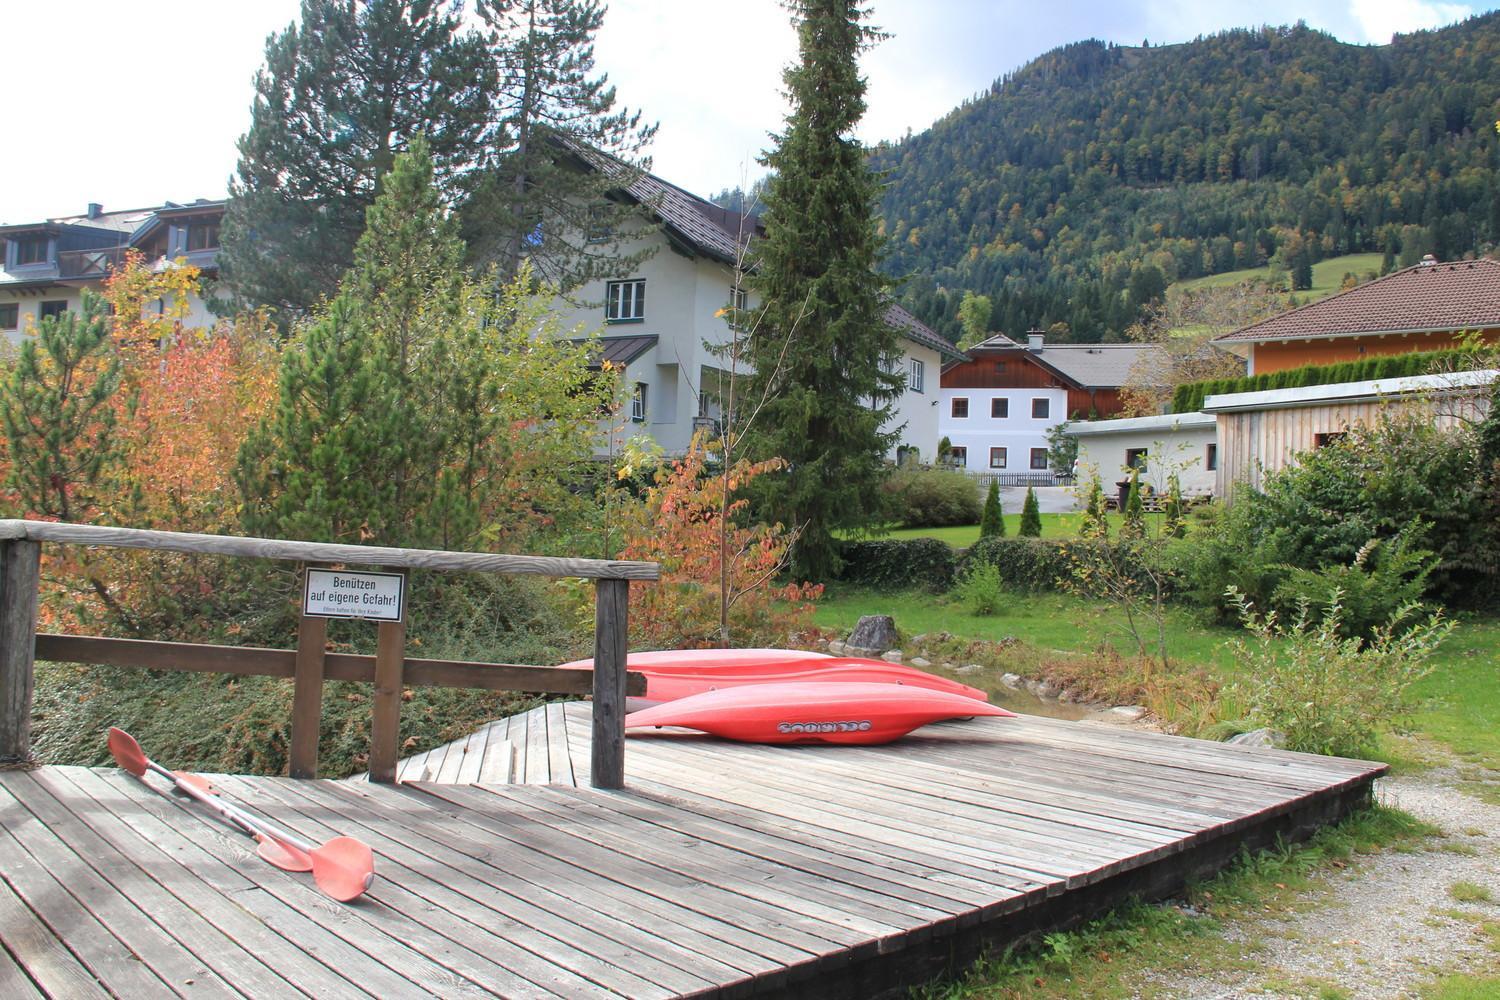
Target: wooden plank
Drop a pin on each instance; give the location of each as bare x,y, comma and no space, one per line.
474,750
457,896
205,886
41,954
559,765
258,661
324,552
20,569
538,758
611,627
135,930
498,766
385,709
15,984
307,697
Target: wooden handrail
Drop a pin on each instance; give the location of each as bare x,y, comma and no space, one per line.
326,552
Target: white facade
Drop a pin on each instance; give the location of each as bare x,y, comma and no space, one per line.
18,325
915,411
1184,443
1001,430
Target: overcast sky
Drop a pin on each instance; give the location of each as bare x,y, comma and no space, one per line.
134,103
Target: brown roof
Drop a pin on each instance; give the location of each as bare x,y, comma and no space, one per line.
918,332
1461,295
1083,366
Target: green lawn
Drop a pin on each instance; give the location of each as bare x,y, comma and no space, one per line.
1053,526
1327,275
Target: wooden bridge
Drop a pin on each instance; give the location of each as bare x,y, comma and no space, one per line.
719,870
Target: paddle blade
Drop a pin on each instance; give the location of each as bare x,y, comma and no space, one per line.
198,781
283,856
127,752
343,868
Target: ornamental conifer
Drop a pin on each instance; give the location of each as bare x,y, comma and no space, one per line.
1095,522
1133,524
1031,516
992,522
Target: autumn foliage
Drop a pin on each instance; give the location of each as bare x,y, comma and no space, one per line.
711,562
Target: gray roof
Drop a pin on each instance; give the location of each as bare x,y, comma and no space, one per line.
1086,366
619,351
918,332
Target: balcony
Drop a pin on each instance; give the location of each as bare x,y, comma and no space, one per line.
89,263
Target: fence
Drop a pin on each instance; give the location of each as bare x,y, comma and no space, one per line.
309,665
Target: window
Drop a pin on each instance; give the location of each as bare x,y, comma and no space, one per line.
959,457
32,250
997,458
625,301
1135,458
638,403
203,236
1041,409
1000,367
915,382
599,230
1211,457
960,407
55,308
10,316
737,299
1328,438
1039,458
999,408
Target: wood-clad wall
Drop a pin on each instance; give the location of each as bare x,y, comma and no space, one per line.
1279,355
1021,372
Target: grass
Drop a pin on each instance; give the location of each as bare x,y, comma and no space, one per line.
1470,892
1327,275
1053,526
1107,956
1463,987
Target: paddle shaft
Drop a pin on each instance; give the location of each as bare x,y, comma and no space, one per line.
231,813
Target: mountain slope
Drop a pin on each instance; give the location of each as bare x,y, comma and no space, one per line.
1097,174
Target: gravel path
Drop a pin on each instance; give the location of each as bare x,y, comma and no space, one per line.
1386,926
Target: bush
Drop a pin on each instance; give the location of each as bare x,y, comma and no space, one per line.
933,498
1188,397
899,564
1031,516
981,589
1328,693
1022,563
1382,586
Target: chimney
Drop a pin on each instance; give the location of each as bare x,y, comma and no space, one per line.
95,210
1428,260
1034,339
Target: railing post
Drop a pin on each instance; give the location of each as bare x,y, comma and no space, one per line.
307,695
385,721
611,620
20,569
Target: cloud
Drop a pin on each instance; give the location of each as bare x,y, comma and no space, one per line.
1380,19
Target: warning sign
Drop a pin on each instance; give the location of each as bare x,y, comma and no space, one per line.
340,594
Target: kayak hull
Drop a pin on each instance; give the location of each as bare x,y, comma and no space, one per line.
837,712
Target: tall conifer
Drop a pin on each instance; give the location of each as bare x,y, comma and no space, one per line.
992,521
820,334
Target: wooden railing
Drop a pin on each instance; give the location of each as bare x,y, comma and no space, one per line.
309,665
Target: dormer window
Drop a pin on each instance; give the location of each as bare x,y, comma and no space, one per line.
202,236
625,301
31,250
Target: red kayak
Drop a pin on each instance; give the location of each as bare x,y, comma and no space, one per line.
813,712
692,661
671,686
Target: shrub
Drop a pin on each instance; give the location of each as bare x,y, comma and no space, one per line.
1133,521
1328,693
933,498
1095,522
1031,516
899,564
1383,585
981,589
1027,563
1188,398
992,522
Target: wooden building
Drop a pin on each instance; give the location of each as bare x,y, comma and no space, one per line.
1428,307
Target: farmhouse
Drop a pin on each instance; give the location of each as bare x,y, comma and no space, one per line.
1426,307
998,404
1158,445
47,264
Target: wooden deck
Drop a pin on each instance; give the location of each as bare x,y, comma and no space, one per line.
722,870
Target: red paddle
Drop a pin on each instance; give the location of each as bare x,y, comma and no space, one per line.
343,867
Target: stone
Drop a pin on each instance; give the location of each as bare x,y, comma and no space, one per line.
971,668
921,662
1066,697
947,665
836,647
1043,689
1130,713
1012,681
892,656
918,640
1259,738
873,632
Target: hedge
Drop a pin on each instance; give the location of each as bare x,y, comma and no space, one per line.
1188,397
899,564
1036,563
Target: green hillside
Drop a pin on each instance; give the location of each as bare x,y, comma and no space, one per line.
1327,276
1097,175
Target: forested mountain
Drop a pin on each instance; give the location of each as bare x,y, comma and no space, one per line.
1084,182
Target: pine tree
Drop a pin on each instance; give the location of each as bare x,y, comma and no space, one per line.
992,521
560,149
820,333
1133,522
1095,521
57,408
340,95
1172,522
1031,516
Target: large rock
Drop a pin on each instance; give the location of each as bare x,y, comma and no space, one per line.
1259,738
873,635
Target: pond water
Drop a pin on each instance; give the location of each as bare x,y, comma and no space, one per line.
1023,702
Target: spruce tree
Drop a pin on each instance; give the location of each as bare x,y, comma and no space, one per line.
1133,521
340,95
992,521
1095,521
560,149
820,332
1031,516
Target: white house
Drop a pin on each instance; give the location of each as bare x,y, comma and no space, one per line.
46,265
663,320
1158,445
998,404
